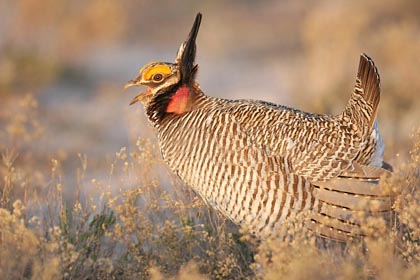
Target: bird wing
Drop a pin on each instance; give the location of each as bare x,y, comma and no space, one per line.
274,192
254,187
320,147
348,200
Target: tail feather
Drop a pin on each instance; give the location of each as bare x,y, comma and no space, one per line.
369,76
328,232
342,214
336,224
367,87
357,202
365,172
345,202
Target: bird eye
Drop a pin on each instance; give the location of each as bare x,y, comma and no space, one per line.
157,77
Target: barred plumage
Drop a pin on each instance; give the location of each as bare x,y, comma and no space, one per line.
260,163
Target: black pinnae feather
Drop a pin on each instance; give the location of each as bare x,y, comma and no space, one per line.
156,109
188,55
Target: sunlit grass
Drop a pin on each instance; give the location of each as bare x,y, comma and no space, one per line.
128,217
149,229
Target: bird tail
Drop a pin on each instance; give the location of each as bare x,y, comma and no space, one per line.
363,104
345,203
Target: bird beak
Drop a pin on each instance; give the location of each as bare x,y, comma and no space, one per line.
141,95
186,53
130,84
137,98
137,81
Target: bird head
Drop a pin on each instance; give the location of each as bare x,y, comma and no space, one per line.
163,80
157,77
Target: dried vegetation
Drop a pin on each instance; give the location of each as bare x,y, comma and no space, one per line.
84,216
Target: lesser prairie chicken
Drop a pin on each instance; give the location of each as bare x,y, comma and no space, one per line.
260,163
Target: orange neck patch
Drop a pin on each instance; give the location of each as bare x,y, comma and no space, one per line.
179,101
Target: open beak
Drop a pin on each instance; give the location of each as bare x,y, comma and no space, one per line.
137,98
141,95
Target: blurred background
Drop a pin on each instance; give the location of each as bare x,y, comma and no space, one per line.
63,65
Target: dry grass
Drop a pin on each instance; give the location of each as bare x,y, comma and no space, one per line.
141,231
147,230
391,252
84,216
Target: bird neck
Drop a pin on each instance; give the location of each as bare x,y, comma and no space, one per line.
177,101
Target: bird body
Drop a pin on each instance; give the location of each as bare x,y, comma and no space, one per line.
219,160
260,163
